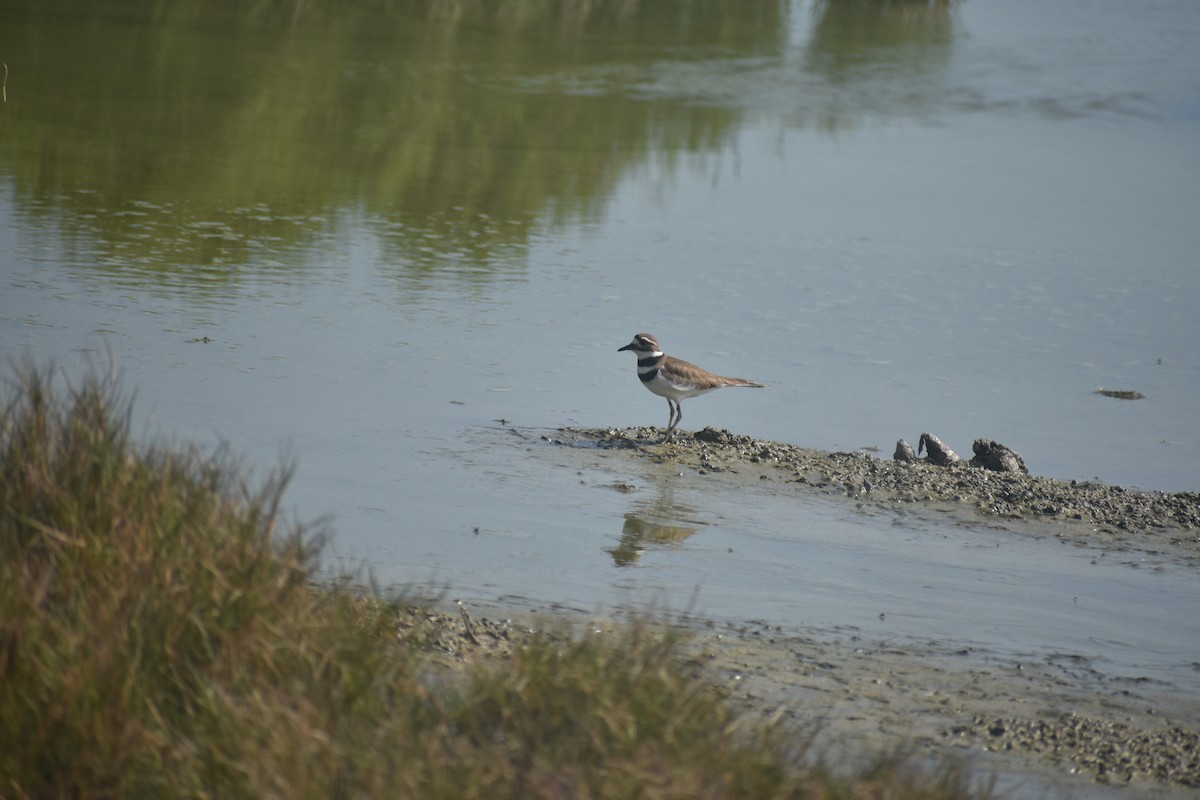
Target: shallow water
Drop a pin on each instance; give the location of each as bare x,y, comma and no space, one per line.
395,231
783,555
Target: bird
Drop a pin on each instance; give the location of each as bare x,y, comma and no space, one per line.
674,378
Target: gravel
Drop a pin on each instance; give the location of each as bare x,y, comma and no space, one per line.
1111,752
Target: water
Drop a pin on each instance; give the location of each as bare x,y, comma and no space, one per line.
396,231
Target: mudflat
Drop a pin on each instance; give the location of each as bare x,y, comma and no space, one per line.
1054,727
1112,517
1035,730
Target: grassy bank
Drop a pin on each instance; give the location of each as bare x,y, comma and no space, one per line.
160,637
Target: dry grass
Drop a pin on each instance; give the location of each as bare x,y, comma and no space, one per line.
160,637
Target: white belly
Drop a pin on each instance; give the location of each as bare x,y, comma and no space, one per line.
664,388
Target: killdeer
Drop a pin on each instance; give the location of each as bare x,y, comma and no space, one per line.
674,378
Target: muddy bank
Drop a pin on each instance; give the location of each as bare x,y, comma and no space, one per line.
1044,729
1110,514
1054,726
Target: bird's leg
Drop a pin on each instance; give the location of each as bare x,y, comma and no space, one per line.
673,419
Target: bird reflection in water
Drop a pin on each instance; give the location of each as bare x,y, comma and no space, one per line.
660,521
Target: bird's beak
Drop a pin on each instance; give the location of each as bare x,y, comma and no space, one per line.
626,347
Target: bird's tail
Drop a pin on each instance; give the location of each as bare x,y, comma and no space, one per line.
744,382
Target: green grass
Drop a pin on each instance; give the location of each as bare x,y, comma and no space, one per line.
161,636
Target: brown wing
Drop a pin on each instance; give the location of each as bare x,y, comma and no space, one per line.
688,374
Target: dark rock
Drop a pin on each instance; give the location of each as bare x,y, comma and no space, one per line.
990,454
904,452
939,452
1121,394
713,436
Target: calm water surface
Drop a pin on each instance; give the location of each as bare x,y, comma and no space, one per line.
397,230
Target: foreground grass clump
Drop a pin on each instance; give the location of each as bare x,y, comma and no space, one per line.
160,636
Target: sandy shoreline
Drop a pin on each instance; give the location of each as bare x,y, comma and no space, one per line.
1050,728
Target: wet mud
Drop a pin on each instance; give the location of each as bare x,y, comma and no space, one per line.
1111,516
1053,727
1049,729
